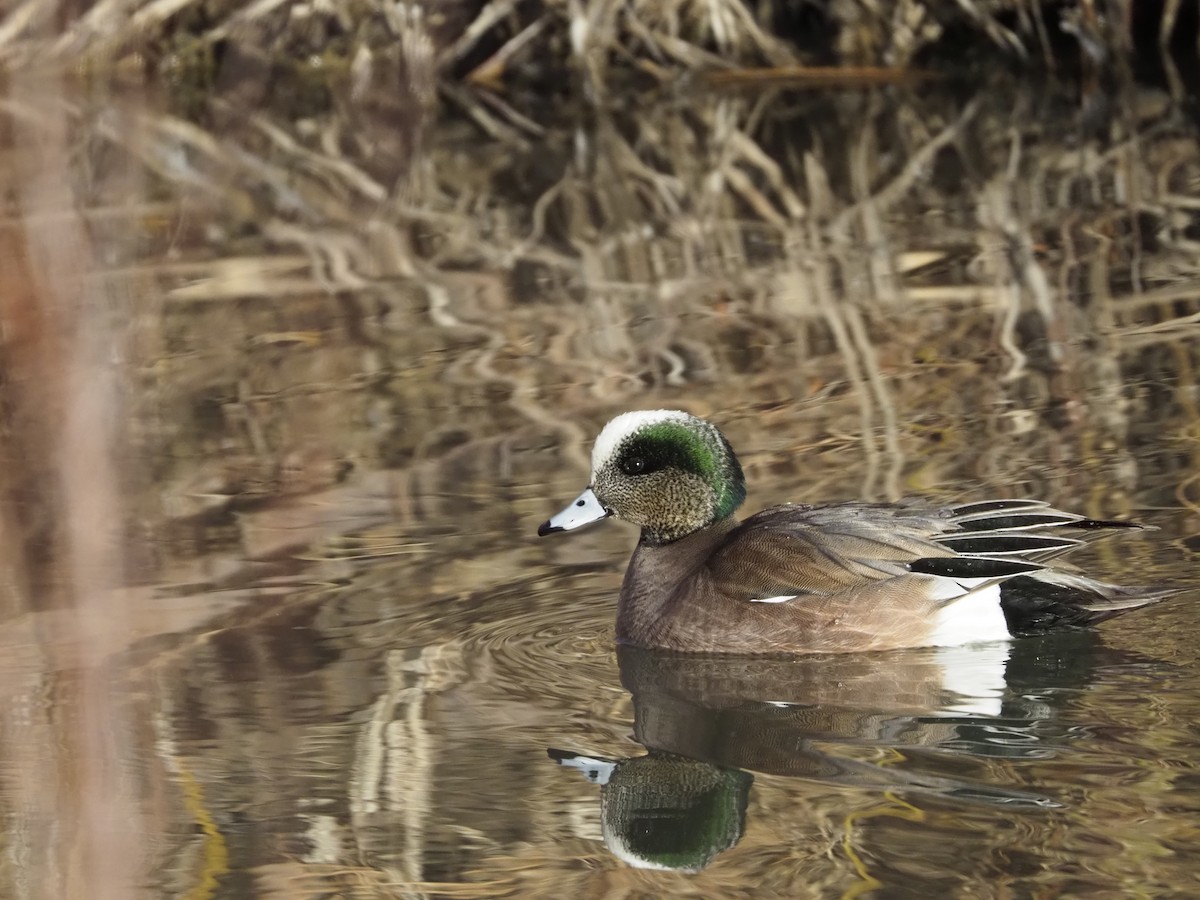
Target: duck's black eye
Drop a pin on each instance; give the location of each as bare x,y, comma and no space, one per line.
634,465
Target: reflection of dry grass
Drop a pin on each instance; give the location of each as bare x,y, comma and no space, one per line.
297,882
716,245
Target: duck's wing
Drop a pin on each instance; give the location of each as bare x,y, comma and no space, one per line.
790,551
861,577
787,551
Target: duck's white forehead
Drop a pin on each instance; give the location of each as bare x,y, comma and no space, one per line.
615,432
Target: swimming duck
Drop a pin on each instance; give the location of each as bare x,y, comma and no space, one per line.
827,578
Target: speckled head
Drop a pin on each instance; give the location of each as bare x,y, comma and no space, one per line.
667,471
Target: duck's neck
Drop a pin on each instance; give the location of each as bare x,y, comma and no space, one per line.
651,590
669,536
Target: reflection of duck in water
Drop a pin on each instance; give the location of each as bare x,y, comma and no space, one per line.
663,811
704,719
834,578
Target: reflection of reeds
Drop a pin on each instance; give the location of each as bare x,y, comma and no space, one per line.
715,244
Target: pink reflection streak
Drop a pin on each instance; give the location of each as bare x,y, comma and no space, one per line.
85,837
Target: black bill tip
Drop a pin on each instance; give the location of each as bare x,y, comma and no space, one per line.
546,528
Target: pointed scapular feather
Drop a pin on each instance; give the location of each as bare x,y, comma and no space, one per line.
989,506
971,566
1111,523
1018,521
1005,543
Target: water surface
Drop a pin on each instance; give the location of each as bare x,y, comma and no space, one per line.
290,382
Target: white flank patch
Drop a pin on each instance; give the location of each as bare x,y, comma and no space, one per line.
974,617
780,599
616,431
976,674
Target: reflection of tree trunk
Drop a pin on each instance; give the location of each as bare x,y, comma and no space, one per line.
30,547
61,516
29,417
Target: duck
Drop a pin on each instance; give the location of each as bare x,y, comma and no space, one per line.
825,578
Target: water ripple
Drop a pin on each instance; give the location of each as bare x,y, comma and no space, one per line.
555,645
